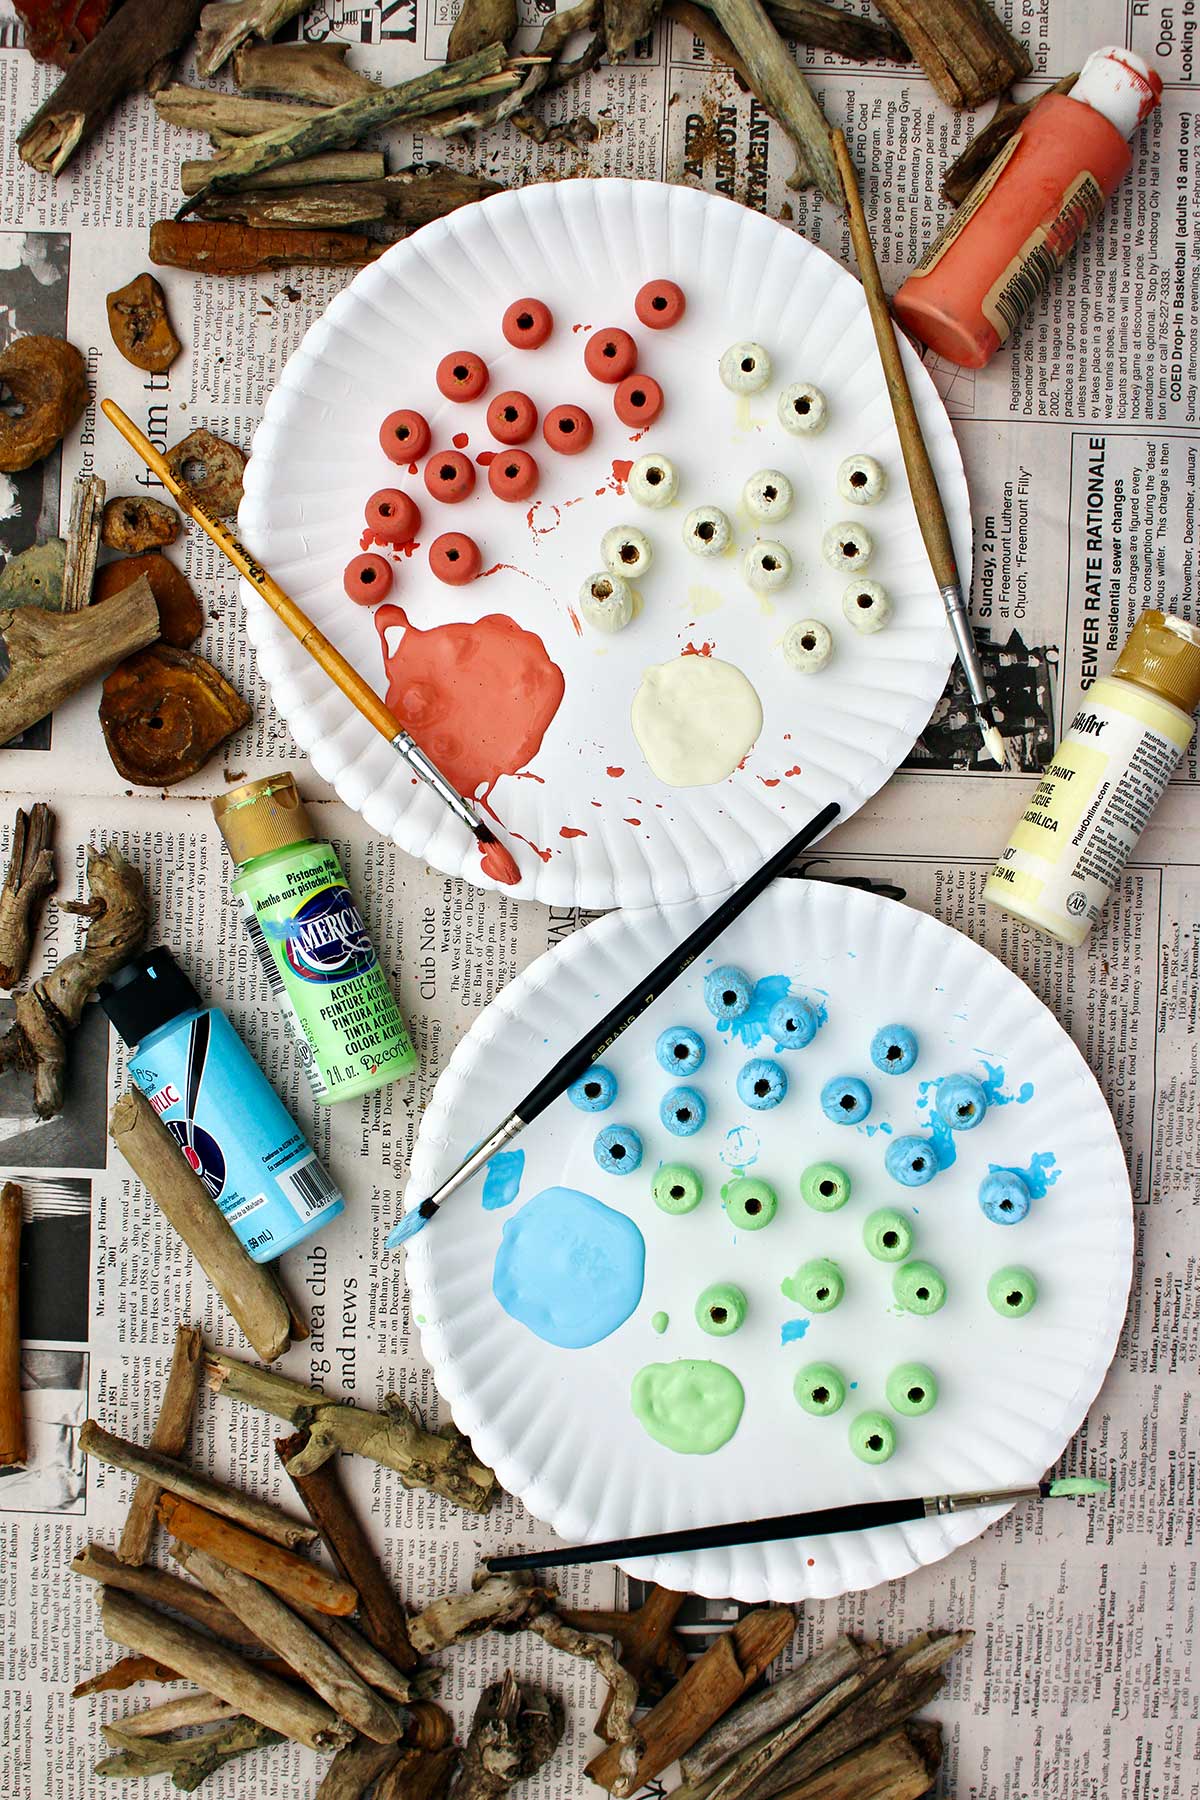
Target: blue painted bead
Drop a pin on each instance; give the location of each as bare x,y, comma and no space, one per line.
961,1102
894,1049
761,1083
618,1149
1003,1197
595,1091
682,1111
792,1023
846,1100
680,1050
911,1161
727,992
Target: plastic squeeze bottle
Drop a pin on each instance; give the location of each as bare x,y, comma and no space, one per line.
1028,210
227,1119
1104,780
312,943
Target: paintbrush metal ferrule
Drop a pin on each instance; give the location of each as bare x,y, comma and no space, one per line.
939,1505
407,747
408,1227
964,642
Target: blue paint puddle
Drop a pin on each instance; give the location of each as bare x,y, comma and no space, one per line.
740,1149
941,1138
997,1094
793,1329
569,1268
753,1023
1041,1174
502,1178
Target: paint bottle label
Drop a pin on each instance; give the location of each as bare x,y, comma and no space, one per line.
1028,276
236,1134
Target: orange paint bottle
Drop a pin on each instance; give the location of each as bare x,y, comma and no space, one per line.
1025,214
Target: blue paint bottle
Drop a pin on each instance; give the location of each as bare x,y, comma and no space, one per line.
229,1123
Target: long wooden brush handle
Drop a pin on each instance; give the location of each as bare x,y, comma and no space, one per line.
931,514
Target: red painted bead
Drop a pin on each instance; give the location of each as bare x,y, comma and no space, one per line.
567,429
512,418
454,558
527,324
513,475
462,375
367,579
659,304
638,400
611,354
449,476
392,517
404,436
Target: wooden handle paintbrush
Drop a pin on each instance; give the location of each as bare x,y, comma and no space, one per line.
497,861
931,514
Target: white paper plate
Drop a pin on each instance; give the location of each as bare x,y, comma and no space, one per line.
557,1425
586,247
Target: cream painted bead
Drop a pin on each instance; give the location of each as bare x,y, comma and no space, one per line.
847,547
706,531
867,606
766,566
807,646
802,408
626,551
861,480
745,368
653,481
606,601
768,495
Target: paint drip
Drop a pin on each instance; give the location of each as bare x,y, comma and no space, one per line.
1042,1173
569,1268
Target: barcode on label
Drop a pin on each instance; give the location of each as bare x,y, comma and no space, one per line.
1034,267
262,950
308,1187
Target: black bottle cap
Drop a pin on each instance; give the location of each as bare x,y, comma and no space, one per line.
148,992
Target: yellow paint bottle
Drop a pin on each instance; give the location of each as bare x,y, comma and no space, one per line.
1104,780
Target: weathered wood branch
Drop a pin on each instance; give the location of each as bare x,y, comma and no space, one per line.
902,1765
292,1576
125,1672
188,1761
225,25
213,249
981,152
234,115
339,165
361,1654
316,73
650,1650
409,199
622,1686
764,1713
27,880
356,1768
83,542
538,75
495,1601
51,655
625,22
480,23
171,1433
779,83
13,1447
168,1715
701,24
967,53
825,27
515,1730
97,1563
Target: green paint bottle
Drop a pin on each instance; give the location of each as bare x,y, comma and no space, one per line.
312,944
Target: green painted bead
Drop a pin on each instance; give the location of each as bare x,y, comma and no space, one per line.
912,1389
820,1389
1013,1292
750,1204
888,1235
677,1189
721,1309
824,1187
818,1285
872,1437
918,1288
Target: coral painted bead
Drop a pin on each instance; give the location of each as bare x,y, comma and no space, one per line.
660,304
450,476
454,558
638,400
527,324
392,517
367,579
462,375
512,417
567,429
404,436
611,355
513,477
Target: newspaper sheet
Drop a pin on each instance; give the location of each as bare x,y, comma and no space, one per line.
1080,443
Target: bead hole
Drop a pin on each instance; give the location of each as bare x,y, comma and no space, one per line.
512,471
966,1110
367,576
602,590
847,1102
1006,1206
916,1395
677,1192
447,472
1015,1298
403,433
728,996
820,1395
637,398
918,1163
567,425
705,530
592,1090
718,1314
610,349
822,1293
803,406
461,371
683,1114
617,1152
525,321
681,1051
452,556
628,553
510,414
770,563
923,1293
808,641
748,364
858,479
753,1207
654,475
875,1442
770,493
849,549
827,1188
659,303
386,510
761,1088
894,1052
890,1239
865,601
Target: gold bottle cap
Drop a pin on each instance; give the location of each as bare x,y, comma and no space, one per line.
1162,653
261,816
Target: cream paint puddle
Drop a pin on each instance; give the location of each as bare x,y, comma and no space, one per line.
695,718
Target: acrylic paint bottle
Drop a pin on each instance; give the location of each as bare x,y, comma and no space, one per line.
312,944
1107,775
1028,210
213,1098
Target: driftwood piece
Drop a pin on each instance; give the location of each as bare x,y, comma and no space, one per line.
411,198
292,1576
164,712
622,1685
249,1289
34,577
171,1432
181,617
265,1697
27,880
826,27
625,22
443,1461
211,468
535,77
420,1775
364,1659
775,1706
494,1602
140,327
355,1768
225,24
326,1503
264,1613
191,1484
13,1447
516,1728
139,36
701,24
51,655
44,383
209,249
55,31
981,152
97,1563
315,73
480,23
650,1650
168,1715
234,115
902,1765
118,913
714,1682
189,1761
339,165
83,542
776,78
126,1672
134,522
967,53
747,1768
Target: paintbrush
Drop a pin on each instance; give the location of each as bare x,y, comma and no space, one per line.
497,861
931,514
861,1516
595,1042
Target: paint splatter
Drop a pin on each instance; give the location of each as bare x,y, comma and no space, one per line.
660,1321
998,1094
752,1024
740,1149
460,440
793,1329
1041,1174
614,772
570,831
569,1268
620,474
704,649
540,530
690,1407
633,821
941,1137
503,1179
